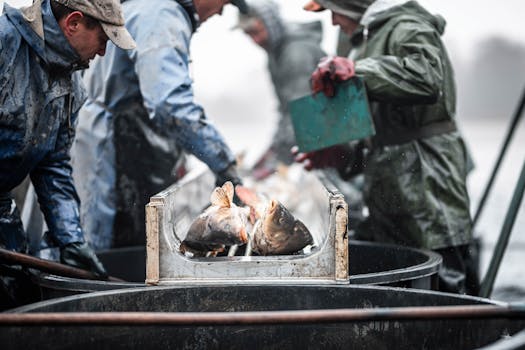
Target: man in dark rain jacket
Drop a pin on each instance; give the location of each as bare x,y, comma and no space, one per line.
415,166
41,46
293,49
139,118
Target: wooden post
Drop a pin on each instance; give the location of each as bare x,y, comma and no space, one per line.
341,242
153,222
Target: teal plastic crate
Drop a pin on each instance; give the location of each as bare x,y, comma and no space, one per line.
320,121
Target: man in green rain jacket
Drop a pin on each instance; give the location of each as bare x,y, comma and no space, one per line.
415,166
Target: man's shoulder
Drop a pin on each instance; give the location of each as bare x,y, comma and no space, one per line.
411,21
9,35
145,17
10,42
153,9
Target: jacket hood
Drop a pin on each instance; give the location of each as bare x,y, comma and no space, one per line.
269,13
382,11
53,48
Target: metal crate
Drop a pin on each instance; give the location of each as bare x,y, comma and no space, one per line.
170,213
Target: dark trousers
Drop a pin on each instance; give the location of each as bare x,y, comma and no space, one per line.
460,270
12,234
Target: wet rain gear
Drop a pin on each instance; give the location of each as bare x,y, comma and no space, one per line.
139,118
39,102
415,169
290,64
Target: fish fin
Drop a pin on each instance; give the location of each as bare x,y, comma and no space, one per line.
213,253
188,251
183,248
220,198
243,235
228,189
253,215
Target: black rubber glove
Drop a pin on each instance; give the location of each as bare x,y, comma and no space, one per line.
82,256
229,174
330,157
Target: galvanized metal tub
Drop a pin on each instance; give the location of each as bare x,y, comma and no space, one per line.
379,323
369,263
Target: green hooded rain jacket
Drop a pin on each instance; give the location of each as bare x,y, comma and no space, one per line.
415,166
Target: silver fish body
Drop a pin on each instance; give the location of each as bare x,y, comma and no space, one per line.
221,224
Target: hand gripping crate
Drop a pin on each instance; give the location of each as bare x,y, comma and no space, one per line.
170,213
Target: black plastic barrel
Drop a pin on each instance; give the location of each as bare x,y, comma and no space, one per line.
392,265
369,263
517,341
382,332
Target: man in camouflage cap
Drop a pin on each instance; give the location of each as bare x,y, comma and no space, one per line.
109,14
41,47
415,166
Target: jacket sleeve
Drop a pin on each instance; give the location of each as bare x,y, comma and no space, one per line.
53,182
162,66
411,69
299,62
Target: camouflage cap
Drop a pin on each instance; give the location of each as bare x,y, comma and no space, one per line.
351,8
109,14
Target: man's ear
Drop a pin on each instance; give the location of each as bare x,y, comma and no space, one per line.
70,23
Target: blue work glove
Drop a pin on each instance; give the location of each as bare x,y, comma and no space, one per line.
80,255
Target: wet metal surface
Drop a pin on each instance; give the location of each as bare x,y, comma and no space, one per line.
369,263
384,330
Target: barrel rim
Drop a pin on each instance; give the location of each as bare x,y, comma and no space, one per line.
46,303
425,269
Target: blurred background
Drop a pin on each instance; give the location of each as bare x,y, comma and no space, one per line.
486,43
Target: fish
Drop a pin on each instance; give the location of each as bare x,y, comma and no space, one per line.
275,230
221,224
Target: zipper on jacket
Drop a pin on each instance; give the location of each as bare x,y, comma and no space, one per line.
365,38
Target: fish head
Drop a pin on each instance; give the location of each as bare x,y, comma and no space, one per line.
302,235
228,225
280,232
277,218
